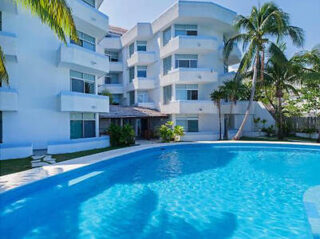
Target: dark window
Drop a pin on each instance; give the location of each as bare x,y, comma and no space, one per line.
166,36
82,125
85,41
82,82
192,94
131,98
193,126
111,78
167,94
131,49
142,71
167,65
141,46
131,74
186,30
90,2
112,55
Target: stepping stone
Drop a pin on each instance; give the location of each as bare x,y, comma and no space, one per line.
37,157
39,164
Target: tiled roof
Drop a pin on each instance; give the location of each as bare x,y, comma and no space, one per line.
117,111
118,30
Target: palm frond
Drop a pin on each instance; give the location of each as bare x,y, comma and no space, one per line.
4,78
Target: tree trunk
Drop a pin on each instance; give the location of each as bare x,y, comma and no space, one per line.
229,119
219,109
262,66
280,119
253,89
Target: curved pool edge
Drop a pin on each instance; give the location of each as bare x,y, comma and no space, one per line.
16,180
311,200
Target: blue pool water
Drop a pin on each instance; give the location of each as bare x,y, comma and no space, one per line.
181,191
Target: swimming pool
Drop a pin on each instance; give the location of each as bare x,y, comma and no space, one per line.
180,191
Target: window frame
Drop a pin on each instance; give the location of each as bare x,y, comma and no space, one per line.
186,61
83,119
131,73
82,39
186,122
143,45
112,55
89,3
185,30
84,80
165,70
142,70
187,91
167,31
109,75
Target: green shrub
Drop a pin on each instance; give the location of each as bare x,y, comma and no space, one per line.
269,130
121,136
168,132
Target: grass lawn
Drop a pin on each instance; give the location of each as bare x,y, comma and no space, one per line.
287,139
17,165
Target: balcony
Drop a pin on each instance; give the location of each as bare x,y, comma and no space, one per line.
79,102
189,45
239,108
115,66
112,43
189,107
8,99
112,88
189,76
89,18
149,105
8,43
141,58
141,84
81,59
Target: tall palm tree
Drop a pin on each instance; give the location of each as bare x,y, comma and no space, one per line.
256,33
56,14
217,96
234,90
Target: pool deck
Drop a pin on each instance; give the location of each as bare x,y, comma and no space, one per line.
11,181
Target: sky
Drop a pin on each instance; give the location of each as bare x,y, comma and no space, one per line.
303,13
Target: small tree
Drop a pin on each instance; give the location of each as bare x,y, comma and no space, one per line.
217,96
121,136
169,132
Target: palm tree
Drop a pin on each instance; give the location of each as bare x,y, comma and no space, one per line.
234,90
255,33
56,14
217,96
281,75
311,65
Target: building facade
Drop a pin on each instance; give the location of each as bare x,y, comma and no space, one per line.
52,99
174,63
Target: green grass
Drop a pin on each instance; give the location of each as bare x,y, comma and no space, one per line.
18,165
287,139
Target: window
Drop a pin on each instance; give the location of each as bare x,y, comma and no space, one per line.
131,74
1,137
142,71
82,125
190,123
81,82
131,49
90,2
112,55
0,21
167,65
187,92
116,99
141,46
186,30
85,41
143,96
166,36
131,98
111,78
167,94
186,61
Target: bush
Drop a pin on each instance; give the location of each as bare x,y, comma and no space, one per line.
121,136
168,132
269,130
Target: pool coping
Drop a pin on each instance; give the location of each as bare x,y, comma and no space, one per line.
8,182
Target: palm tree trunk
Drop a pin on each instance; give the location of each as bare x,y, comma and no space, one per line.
229,119
219,109
280,119
253,90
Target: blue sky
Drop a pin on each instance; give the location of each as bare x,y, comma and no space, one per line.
304,13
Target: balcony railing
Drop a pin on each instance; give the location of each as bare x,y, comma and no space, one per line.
79,102
82,59
141,84
189,76
8,99
189,45
142,58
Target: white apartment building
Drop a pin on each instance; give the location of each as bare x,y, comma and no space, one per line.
174,63
52,99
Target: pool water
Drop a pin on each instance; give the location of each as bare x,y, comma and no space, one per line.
180,191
